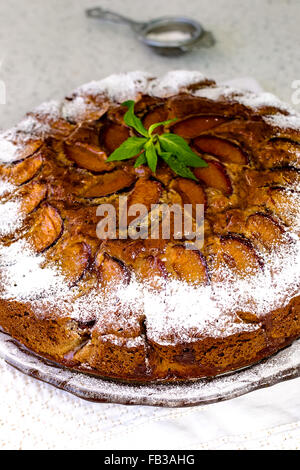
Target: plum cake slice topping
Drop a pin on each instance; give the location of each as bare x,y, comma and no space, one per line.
46,229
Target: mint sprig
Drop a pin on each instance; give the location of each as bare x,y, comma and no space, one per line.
171,148
132,120
129,149
177,166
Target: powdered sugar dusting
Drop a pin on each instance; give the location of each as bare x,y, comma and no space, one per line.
75,109
38,122
9,151
284,122
128,342
121,87
249,99
118,87
32,126
170,321
216,93
6,188
51,108
25,278
261,100
11,217
173,82
128,86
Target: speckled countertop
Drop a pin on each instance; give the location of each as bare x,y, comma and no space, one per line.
49,48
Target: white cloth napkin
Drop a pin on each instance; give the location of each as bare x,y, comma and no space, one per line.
34,415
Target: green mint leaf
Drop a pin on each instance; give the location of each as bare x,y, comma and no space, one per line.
172,148
157,124
177,166
178,146
151,156
141,160
132,120
130,148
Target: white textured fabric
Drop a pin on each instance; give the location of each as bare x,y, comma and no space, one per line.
34,415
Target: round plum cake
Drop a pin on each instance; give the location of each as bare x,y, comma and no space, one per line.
152,309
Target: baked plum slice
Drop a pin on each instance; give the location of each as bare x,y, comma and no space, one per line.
112,135
232,220
223,149
186,265
264,229
214,176
238,254
111,271
88,156
285,204
151,270
287,177
46,229
85,133
60,128
128,251
190,192
124,250
158,114
109,183
32,195
194,126
164,174
183,105
74,260
25,170
146,192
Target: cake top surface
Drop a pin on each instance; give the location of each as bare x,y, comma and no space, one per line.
52,258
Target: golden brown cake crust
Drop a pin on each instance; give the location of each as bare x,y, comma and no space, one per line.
146,310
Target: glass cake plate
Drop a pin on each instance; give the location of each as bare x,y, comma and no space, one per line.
284,365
